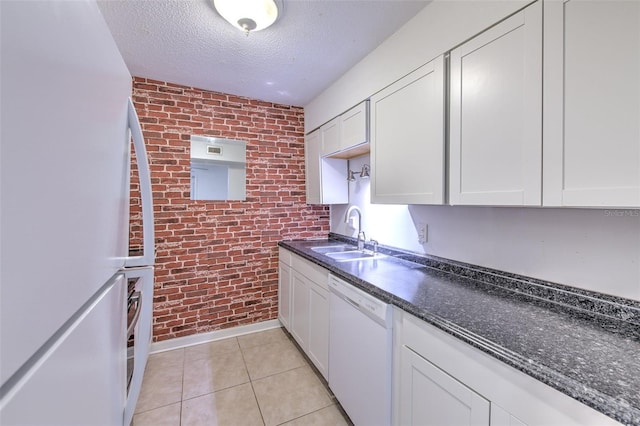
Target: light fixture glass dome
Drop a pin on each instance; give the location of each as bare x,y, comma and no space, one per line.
248,15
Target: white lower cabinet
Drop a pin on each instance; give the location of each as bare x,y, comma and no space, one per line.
300,309
435,398
440,380
304,306
284,294
318,348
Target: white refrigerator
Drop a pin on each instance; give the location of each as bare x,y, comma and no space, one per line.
67,299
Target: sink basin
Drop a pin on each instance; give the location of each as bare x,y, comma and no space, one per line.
333,248
346,253
345,256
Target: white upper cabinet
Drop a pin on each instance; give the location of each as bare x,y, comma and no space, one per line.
354,126
326,178
312,144
407,138
347,135
496,114
327,150
330,134
592,103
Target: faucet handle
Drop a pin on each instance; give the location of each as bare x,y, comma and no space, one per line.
374,243
361,240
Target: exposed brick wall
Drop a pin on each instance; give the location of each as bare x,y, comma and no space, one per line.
217,261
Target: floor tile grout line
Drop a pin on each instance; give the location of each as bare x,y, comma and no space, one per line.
306,414
184,360
279,372
158,407
191,398
255,397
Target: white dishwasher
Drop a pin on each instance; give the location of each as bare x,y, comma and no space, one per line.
360,342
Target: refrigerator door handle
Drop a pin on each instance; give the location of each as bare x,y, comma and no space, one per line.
146,196
135,298
142,337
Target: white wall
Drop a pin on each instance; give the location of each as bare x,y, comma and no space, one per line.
592,249
437,28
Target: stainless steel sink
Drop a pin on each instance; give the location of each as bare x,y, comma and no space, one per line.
346,253
352,255
333,248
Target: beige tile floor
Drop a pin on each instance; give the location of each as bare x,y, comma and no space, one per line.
255,379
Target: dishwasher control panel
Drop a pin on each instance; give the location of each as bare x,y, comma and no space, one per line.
375,308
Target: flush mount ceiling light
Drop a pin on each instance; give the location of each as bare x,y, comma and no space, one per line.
248,15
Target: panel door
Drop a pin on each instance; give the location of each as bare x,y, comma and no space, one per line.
496,114
430,397
284,295
312,144
592,103
330,135
319,328
300,309
407,139
354,126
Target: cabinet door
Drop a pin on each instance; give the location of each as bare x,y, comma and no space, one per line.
284,295
407,139
330,134
326,178
496,114
429,396
501,417
334,184
300,309
354,126
312,144
319,328
592,103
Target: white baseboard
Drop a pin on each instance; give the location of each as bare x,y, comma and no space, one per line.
196,339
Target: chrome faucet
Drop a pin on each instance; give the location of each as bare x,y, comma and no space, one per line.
361,237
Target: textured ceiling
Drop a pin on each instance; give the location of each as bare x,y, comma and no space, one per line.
312,44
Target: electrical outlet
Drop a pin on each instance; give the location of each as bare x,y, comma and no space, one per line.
422,233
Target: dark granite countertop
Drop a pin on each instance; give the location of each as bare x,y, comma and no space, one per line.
584,344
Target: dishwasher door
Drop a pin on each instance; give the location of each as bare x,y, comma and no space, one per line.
359,362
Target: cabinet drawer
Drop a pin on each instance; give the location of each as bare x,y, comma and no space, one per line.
284,256
317,274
